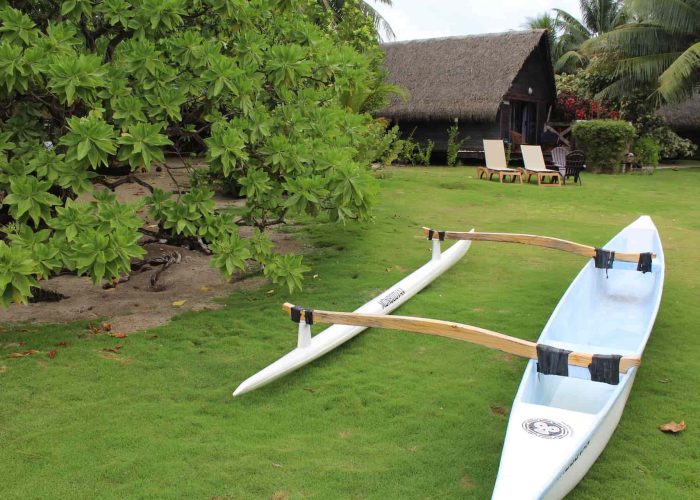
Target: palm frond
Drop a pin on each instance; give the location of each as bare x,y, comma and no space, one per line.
601,16
633,40
678,16
676,83
618,89
380,24
546,22
569,62
643,69
570,25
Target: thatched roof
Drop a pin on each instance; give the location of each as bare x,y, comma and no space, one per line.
683,116
457,77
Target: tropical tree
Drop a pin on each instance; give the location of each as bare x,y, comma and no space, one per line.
547,22
257,88
597,17
658,51
381,25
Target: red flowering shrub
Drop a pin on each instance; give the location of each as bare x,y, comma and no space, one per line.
571,107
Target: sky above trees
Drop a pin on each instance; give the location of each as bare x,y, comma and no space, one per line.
414,19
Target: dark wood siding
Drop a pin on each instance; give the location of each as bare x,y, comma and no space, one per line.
471,132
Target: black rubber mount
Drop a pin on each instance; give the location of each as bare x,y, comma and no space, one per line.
552,360
605,368
644,264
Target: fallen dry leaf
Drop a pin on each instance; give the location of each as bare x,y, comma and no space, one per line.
467,483
498,410
114,349
62,344
22,354
270,292
400,269
118,335
673,427
179,303
103,327
52,354
204,289
388,269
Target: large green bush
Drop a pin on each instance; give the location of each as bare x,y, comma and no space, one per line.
604,142
671,145
272,93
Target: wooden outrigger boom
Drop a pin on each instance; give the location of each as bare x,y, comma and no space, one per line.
531,239
449,329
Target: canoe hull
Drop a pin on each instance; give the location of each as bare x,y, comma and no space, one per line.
336,335
560,425
598,441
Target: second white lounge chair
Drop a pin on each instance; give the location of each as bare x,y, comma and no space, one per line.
534,165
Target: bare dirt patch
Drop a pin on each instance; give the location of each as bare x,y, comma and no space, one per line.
136,305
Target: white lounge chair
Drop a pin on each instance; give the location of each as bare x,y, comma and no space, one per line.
496,162
534,165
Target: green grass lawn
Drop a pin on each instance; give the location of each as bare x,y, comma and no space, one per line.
387,415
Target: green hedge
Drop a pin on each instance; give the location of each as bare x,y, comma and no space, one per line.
604,142
647,152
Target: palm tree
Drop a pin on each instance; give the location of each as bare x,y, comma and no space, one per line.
381,24
546,22
598,17
659,49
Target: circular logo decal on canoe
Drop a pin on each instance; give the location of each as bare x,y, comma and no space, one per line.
545,428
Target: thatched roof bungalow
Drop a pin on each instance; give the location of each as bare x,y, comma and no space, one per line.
493,85
684,118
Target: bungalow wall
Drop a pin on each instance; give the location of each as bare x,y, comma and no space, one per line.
436,130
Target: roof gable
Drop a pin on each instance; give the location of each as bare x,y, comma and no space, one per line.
457,77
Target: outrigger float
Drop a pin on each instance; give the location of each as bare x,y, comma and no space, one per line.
581,369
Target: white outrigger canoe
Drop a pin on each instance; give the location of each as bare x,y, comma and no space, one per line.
309,349
580,372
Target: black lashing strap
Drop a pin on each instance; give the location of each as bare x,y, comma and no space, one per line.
296,314
308,315
552,360
441,234
644,264
605,368
604,259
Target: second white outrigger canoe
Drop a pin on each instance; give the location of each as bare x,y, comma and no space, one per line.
308,348
560,424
